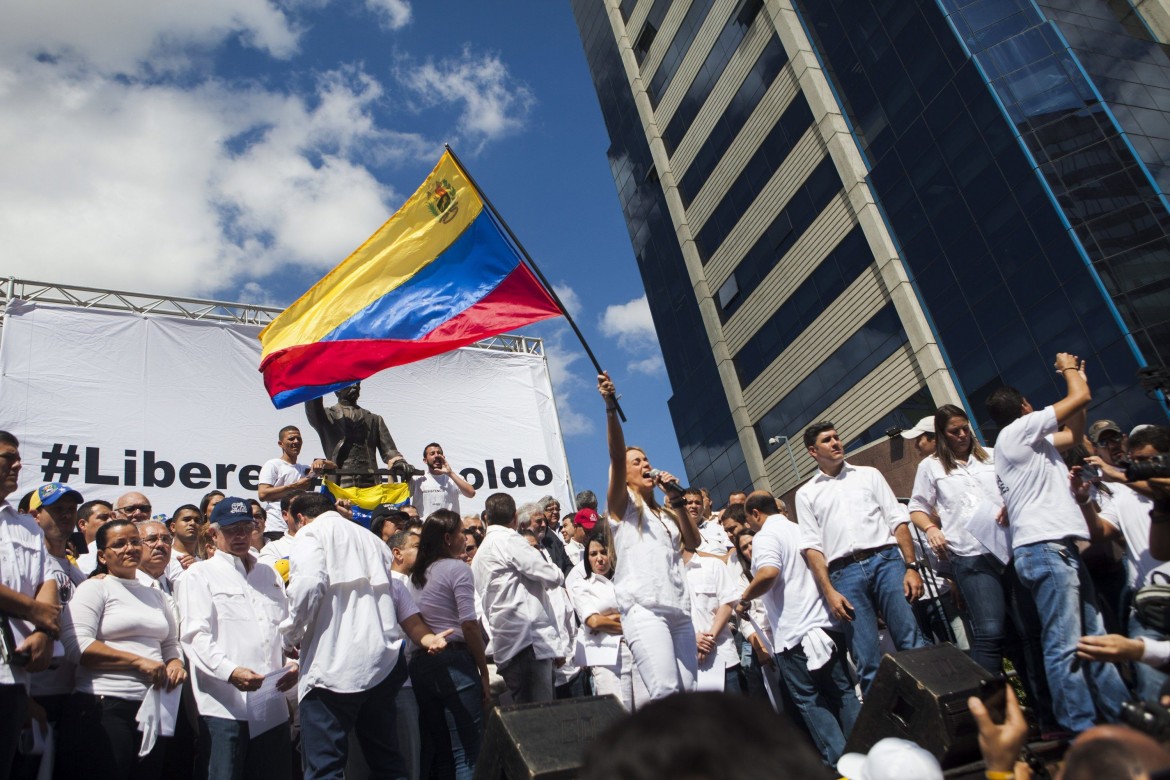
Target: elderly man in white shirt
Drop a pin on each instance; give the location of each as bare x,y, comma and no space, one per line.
809,645
232,608
511,578
348,617
855,537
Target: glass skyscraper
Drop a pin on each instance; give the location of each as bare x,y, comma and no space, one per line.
861,209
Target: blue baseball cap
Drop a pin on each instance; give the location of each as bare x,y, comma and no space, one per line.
47,495
232,510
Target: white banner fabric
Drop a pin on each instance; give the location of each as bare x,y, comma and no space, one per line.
113,401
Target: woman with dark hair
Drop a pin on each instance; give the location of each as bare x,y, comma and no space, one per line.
451,687
955,489
595,600
126,638
208,502
649,581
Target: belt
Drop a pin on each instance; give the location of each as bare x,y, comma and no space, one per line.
856,557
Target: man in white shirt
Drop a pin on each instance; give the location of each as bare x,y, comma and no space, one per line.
511,578
276,552
91,516
348,618
855,537
440,486
809,645
715,540
232,608
284,476
1045,526
157,568
28,602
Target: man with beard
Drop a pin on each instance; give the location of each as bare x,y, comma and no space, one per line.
440,487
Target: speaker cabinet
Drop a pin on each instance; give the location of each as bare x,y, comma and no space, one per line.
921,695
543,741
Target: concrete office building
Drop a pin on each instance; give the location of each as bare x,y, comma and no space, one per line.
861,209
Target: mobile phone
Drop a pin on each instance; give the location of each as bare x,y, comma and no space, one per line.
993,694
1090,473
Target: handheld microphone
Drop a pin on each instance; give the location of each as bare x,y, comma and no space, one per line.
673,487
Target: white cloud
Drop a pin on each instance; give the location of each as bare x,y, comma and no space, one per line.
394,14
120,184
630,323
562,352
120,36
493,104
568,297
129,165
650,366
633,327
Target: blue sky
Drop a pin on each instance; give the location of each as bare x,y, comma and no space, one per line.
239,149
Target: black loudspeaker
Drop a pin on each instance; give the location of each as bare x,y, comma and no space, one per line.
543,741
921,695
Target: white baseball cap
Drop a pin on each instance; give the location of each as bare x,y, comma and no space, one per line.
890,759
925,425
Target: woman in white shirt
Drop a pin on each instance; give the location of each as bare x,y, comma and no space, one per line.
451,687
600,638
126,639
957,502
650,582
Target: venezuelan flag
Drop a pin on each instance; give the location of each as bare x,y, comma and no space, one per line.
439,275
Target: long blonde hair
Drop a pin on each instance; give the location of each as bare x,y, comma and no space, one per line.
639,502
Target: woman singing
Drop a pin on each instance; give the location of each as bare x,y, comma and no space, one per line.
650,584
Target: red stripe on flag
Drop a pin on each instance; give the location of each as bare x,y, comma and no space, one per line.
519,300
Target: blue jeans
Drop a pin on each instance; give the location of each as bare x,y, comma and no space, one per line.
1067,605
980,580
450,709
327,718
872,586
228,752
824,697
1149,680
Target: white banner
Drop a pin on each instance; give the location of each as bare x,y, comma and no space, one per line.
114,401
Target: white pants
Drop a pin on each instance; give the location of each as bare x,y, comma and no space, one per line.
662,642
622,681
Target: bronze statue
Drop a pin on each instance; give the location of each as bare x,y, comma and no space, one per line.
352,437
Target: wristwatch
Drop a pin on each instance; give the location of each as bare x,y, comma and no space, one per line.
912,565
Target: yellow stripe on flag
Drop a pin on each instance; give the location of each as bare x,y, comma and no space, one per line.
371,497
429,222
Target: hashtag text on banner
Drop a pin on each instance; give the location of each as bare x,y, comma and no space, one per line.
439,275
60,463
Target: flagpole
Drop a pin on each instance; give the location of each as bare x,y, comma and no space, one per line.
532,265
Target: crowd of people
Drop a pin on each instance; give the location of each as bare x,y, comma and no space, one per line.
276,636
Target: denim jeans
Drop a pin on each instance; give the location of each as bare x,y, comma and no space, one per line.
874,586
824,697
227,751
980,579
450,708
328,717
1149,680
1067,605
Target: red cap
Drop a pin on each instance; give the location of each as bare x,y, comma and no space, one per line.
586,518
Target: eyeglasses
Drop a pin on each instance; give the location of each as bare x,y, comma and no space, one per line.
237,529
122,544
134,509
157,539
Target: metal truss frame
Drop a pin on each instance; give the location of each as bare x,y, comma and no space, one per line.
193,309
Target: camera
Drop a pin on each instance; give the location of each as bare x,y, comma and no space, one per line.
1157,467
1147,717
